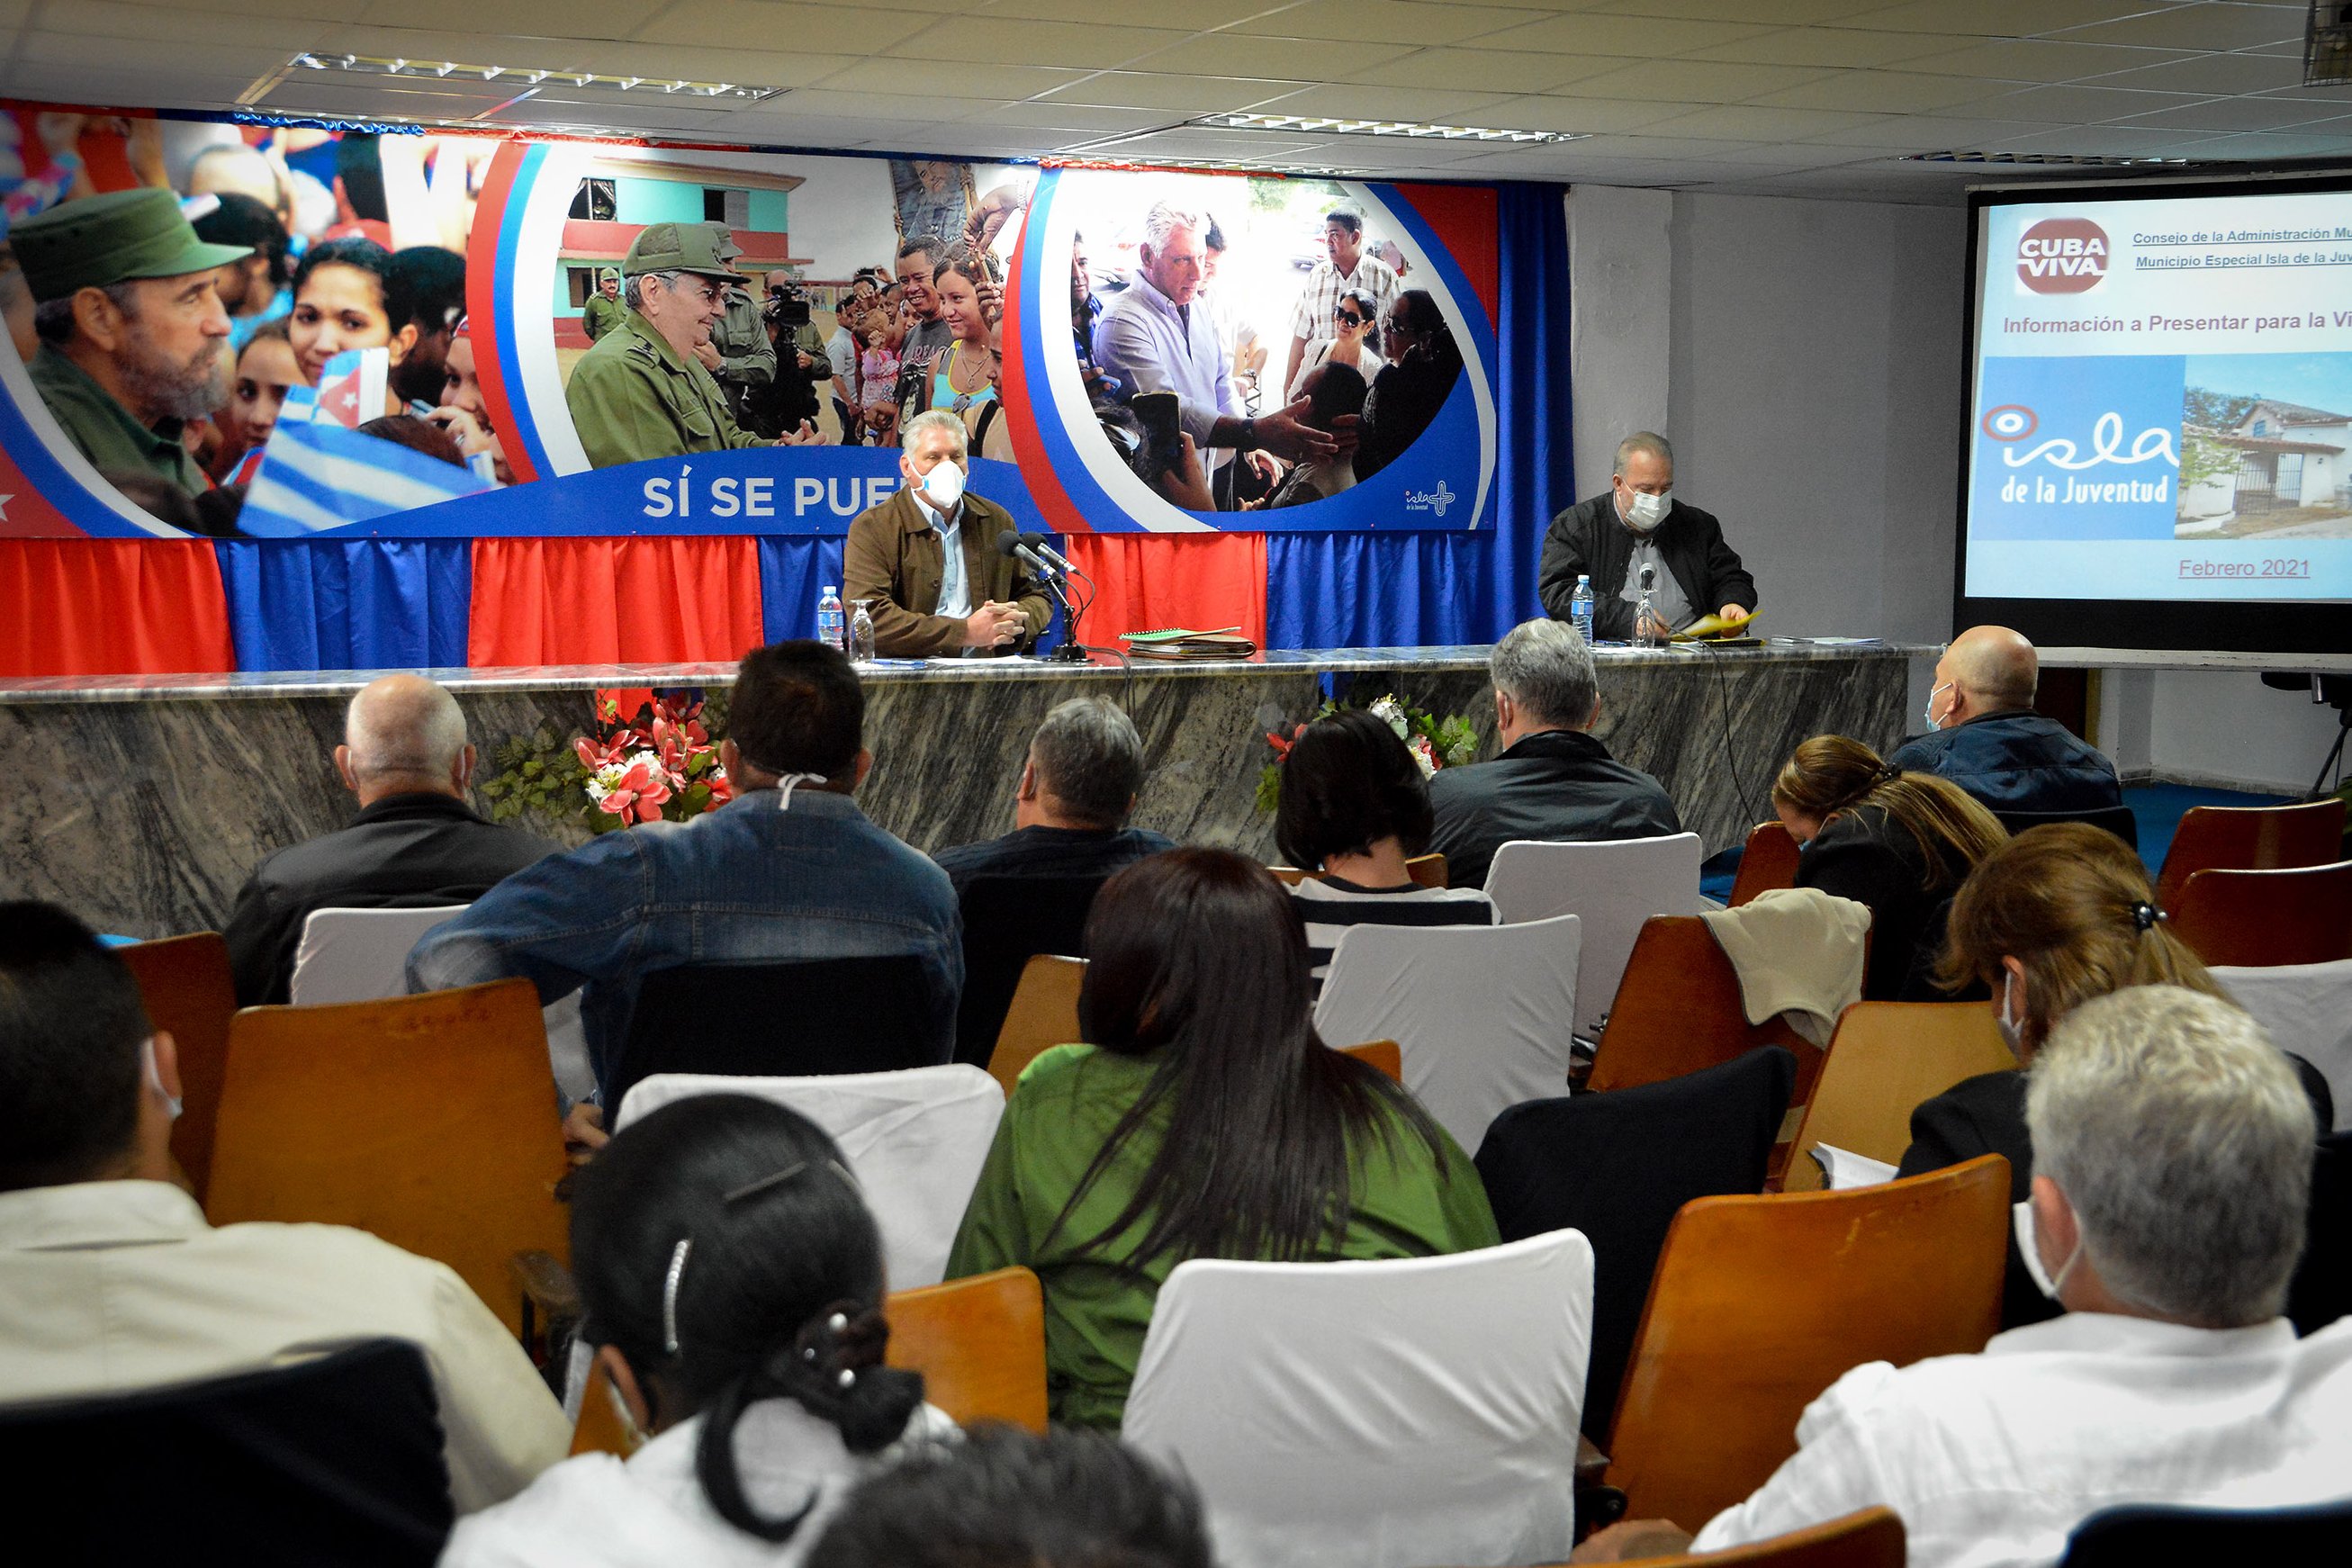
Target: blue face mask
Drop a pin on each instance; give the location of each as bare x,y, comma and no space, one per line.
1933,722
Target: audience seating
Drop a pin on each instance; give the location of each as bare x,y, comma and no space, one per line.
1043,1014
362,955
1770,861
1385,1055
2321,1291
1679,1009
359,954
1426,871
185,984
780,1020
980,1343
2115,819
1612,887
1618,1167
2248,919
2141,1533
336,1460
1871,1539
1886,1059
1481,1012
598,1427
1375,1415
2250,838
1760,1303
427,1119
1006,920
2308,1009
915,1139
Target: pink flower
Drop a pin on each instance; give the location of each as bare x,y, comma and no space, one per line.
638,795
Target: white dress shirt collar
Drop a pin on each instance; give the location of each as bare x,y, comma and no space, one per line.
92,1215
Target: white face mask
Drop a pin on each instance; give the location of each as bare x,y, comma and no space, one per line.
1933,722
1645,512
2029,1247
2012,1030
155,1078
943,486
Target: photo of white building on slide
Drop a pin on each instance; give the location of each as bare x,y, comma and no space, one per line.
2254,466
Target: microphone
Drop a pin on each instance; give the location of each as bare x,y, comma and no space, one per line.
1649,576
1011,544
1037,541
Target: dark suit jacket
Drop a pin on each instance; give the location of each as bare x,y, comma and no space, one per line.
1872,859
894,562
1590,540
1558,786
2017,761
403,851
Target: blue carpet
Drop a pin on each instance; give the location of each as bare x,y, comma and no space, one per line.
2158,808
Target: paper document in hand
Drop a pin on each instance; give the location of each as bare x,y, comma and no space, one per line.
1714,626
1843,1168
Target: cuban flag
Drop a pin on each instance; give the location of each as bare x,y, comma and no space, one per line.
318,474
350,391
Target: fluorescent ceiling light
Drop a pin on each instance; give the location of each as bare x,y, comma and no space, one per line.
1334,125
2044,160
374,65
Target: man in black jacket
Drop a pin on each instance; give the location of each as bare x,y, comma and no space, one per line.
1554,782
415,841
1636,522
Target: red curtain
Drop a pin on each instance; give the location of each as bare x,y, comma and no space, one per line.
1152,580
615,601
111,607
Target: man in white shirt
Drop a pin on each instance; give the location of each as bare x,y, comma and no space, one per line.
112,1280
1350,266
2172,1154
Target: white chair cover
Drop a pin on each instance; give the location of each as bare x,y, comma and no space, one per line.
362,955
1481,1012
1614,886
1388,1414
2308,1009
359,955
915,1139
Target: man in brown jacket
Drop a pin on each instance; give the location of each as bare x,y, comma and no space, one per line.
926,562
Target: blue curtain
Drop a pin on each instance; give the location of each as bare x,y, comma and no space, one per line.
1403,590
354,603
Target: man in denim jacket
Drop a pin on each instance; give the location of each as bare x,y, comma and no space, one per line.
790,870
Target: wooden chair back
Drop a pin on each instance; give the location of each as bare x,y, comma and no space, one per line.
598,1428
1385,1055
1770,861
2250,838
980,1343
2255,920
1044,1013
185,982
1885,1061
1871,1539
429,1121
1427,870
1679,1010
1760,1303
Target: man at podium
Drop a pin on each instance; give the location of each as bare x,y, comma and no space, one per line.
1636,522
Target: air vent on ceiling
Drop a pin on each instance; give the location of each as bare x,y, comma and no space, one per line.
2041,160
1331,125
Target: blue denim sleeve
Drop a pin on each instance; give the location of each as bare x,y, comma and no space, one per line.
558,923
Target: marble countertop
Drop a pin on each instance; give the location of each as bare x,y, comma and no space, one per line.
1278,661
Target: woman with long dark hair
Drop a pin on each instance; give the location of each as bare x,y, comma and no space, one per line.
730,1280
1899,843
1205,1120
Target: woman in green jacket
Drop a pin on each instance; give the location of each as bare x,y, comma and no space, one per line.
1206,1119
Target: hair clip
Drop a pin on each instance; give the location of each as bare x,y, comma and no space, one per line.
753,1189
669,1293
2144,915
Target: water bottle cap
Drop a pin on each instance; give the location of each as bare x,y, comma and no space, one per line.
828,588
1582,579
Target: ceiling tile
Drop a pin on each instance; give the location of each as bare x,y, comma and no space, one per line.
2216,24
651,115
1747,123
1199,143
1994,19
1579,116
1884,92
2333,139
1196,14
1635,37
305,10
1064,44
761,24
102,19
516,18
1242,54
909,106
751,68
2240,114
1830,47
1925,133
1789,13
118,87
952,78
1495,71
1078,118
1694,82
2107,142
2211,73
1178,96
1387,103
2072,105
35,47
1380,22
2025,59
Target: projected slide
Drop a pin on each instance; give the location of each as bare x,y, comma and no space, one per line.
2163,403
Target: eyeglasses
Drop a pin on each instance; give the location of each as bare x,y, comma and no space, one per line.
1348,318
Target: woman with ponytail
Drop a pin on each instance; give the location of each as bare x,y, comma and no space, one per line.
730,1280
2055,917
1900,844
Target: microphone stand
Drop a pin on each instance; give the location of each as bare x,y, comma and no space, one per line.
1072,651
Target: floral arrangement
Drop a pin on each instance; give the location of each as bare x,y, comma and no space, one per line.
659,766
1434,742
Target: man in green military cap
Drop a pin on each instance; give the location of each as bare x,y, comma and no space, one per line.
642,389
131,328
739,356
605,311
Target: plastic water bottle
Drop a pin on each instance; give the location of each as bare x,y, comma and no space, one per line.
1580,608
861,635
828,618
1646,632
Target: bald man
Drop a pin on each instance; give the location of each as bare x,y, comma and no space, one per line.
415,841
1984,735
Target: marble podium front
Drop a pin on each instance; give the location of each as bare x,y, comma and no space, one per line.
143,805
